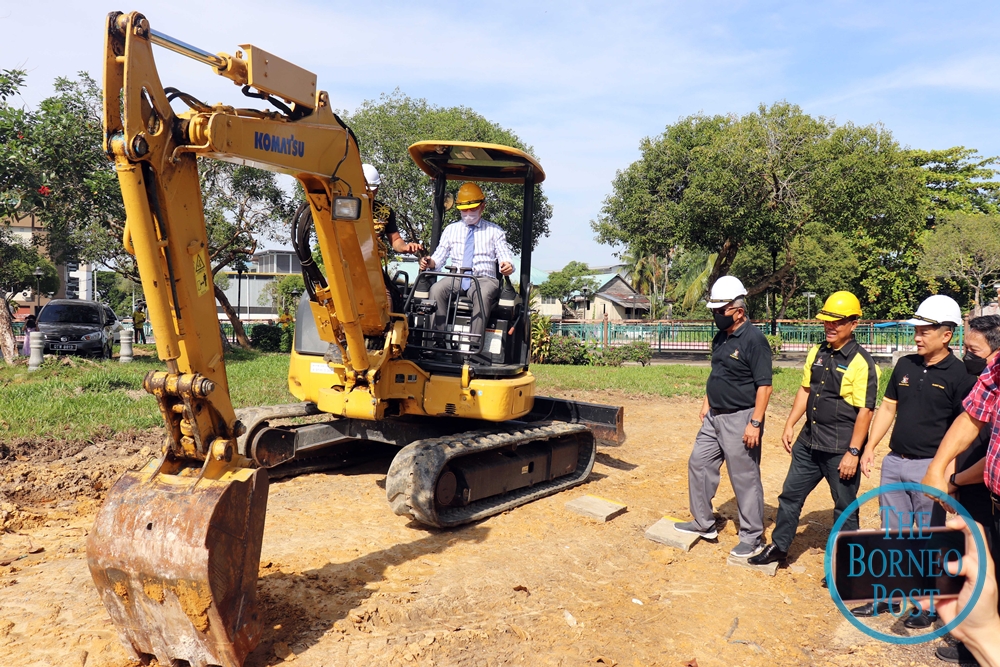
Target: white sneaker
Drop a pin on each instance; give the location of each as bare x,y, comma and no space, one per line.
689,527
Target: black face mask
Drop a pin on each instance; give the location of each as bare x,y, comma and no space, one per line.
723,321
973,364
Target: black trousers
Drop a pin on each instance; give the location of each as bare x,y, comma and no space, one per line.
807,469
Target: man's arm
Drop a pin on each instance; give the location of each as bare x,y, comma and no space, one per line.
879,427
401,246
751,435
962,433
441,253
799,406
849,464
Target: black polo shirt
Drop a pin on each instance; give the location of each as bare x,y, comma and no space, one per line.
384,215
928,399
741,362
840,383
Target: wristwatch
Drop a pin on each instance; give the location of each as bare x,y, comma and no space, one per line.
755,423
854,451
951,480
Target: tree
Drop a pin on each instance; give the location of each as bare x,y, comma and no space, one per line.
822,262
722,184
282,295
242,205
959,179
964,247
18,262
387,127
569,280
648,275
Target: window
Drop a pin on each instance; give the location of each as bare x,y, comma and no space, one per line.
79,314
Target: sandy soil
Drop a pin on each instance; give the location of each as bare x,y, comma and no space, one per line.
345,582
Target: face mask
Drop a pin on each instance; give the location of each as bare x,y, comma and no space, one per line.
973,364
471,217
723,321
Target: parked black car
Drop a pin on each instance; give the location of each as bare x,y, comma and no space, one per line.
74,326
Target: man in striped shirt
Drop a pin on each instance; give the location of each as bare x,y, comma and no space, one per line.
472,243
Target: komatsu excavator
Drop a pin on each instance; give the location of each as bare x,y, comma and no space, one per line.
175,548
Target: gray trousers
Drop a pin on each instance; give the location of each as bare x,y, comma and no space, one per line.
721,439
897,469
444,288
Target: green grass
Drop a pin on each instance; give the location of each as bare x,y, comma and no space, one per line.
94,400
660,380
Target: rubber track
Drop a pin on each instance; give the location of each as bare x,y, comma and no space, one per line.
412,477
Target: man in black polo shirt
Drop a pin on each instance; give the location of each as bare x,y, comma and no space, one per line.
924,395
732,415
837,397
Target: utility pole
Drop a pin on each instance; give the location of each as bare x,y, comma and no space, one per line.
772,302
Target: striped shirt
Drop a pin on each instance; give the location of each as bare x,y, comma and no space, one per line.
490,247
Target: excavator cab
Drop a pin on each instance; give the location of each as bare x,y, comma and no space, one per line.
503,348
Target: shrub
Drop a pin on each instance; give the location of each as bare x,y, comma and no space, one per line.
775,343
567,350
541,338
598,356
638,351
266,338
287,337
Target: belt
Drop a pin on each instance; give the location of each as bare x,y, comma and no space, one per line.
729,412
912,458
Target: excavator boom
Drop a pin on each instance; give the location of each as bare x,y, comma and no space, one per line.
176,546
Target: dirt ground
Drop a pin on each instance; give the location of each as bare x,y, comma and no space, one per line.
345,582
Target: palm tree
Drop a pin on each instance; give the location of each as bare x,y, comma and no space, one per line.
648,276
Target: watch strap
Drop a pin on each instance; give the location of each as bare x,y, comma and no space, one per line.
755,423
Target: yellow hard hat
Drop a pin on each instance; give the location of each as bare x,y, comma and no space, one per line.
469,196
838,306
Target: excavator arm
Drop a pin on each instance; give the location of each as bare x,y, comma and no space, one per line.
176,546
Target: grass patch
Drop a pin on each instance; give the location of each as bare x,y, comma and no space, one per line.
659,380
92,400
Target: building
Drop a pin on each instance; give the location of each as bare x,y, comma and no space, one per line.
617,300
244,291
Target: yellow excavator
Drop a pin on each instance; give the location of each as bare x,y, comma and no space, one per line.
175,548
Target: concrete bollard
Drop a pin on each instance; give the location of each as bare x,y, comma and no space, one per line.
37,343
125,353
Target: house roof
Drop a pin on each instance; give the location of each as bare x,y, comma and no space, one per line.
637,301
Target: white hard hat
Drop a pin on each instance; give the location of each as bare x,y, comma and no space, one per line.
371,175
937,309
725,290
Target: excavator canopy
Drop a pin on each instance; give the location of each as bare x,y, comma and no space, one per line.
474,161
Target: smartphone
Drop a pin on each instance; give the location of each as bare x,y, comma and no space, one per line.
897,566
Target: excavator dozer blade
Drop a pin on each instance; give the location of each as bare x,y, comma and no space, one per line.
176,563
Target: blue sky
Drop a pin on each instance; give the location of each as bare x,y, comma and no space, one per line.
581,82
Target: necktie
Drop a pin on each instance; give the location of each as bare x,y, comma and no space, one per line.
470,251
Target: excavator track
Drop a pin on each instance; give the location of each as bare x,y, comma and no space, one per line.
412,483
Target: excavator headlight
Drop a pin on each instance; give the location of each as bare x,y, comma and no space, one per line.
346,208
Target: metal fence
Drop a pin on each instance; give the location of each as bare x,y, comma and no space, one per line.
697,336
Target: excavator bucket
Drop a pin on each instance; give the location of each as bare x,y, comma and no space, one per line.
175,560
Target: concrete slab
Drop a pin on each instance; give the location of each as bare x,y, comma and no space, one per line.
663,531
770,569
596,507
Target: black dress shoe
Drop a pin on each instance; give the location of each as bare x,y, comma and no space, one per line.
866,610
957,655
921,620
770,554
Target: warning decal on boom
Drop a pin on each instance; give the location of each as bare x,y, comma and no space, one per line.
201,273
